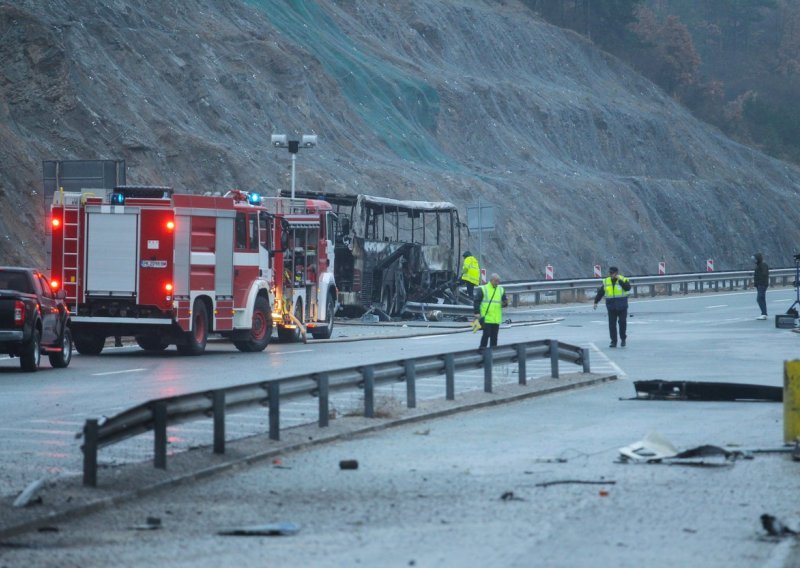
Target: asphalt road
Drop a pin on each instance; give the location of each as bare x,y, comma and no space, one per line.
430,495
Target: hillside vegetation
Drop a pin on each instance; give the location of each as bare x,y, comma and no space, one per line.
586,161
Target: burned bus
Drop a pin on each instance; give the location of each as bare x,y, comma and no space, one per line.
389,251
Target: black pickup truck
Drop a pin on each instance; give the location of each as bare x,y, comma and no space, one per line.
33,320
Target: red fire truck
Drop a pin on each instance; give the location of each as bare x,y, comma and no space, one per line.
171,268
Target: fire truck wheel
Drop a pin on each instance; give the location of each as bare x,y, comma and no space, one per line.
150,343
61,359
89,344
261,331
196,338
330,307
31,353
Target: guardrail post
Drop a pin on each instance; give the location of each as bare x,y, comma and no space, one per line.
585,359
218,402
558,296
522,360
449,377
324,411
635,291
90,432
368,373
537,298
160,434
487,369
652,290
515,300
274,396
669,289
411,384
553,358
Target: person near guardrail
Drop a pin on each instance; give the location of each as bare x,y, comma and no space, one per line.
761,282
615,288
489,301
470,273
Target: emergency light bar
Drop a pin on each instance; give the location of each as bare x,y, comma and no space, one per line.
254,198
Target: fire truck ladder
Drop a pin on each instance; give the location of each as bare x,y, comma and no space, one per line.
69,253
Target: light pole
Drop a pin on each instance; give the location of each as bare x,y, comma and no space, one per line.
282,141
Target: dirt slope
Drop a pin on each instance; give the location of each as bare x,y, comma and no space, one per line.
586,161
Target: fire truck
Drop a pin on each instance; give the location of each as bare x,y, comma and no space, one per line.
170,268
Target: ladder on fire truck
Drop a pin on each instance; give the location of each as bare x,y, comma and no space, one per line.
71,229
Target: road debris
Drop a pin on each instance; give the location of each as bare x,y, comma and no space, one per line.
706,391
654,448
269,529
509,496
348,464
575,481
28,495
775,527
150,524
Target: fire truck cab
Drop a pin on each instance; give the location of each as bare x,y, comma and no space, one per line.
303,267
162,267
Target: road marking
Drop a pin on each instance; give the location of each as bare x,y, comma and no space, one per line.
117,372
428,336
609,361
289,352
717,306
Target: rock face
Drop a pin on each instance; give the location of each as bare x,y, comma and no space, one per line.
585,161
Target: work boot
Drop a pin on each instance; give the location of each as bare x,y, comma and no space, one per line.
623,343
612,344
762,317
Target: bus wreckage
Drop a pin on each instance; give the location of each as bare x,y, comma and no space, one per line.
390,252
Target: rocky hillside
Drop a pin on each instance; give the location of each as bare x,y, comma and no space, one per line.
586,161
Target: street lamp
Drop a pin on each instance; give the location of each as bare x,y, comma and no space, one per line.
282,141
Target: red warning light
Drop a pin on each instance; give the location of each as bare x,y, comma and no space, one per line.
170,225
54,284
168,286
56,222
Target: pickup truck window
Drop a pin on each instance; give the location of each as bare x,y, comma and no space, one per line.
43,287
16,281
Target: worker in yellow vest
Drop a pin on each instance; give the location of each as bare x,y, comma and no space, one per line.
615,288
490,299
470,273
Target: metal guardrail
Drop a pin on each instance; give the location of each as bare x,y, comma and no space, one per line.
158,414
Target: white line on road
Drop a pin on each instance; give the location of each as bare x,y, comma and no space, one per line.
428,336
609,361
117,372
717,306
290,352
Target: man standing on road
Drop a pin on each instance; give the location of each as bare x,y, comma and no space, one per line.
470,273
615,288
490,299
761,282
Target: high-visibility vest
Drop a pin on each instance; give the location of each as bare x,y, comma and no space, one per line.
613,289
471,271
491,304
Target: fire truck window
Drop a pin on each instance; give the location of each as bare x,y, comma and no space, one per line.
253,223
266,235
241,231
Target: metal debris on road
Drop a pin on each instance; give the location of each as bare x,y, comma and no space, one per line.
269,529
654,448
706,391
151,524
348,464
775,527
509,496
576,481
28,495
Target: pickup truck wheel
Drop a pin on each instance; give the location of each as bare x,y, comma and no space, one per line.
31,353
89,344
330,307
261,330
150,343
61,359
197,338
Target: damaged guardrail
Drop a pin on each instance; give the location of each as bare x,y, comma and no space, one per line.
158,414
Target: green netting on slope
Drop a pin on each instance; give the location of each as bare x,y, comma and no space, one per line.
400,108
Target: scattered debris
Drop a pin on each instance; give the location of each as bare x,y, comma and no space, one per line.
603,493
48,528
654,448
577,481
348,464
775,527
550,460
425,432
706,391
151,524
269,529
509,496
28,495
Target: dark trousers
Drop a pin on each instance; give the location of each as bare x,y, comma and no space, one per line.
617,315
470,288
761,298
489,334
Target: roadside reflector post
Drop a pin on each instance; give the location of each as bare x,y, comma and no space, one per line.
324,411
368,373
411,384
522,363
160,435
553,358
449,377
274,396
218,409
90,432
487,369
791,401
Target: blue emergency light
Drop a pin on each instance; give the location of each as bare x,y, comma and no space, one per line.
117,198
254,198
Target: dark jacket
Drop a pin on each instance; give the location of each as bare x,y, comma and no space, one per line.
761,273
